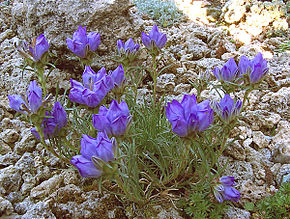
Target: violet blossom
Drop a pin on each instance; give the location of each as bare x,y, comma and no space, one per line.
101,148
225,190
94,88
83,42
189,116
30,103
56,120
227,109
154,39
113,120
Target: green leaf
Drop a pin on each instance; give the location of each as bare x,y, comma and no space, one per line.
249,206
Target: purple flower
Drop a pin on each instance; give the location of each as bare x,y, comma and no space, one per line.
118,76
39,47
229,71
94,88
256,69
59,115
79,42
101,148
154,39
113,120
225,191
244,65
52,125
188,117
31,103
90,77
94,40
129,48
82,42
227,109
16,102
36,50
34,95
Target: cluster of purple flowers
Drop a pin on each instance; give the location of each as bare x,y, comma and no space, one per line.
56,120
99,148
114,122
28,104
188,116
128,48
225,190
254,70
227,109
95,86
83,42
155,39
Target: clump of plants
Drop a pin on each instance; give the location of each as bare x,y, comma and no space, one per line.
200,203
276,206
150,150
164,12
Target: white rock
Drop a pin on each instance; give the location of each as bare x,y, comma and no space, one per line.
47,187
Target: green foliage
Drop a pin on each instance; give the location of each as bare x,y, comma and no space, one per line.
152,156
164,12
201,203
6,3
249,206
276,206
284,47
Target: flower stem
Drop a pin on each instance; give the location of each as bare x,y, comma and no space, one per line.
40,74
154,76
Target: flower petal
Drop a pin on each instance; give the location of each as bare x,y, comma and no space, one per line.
85,167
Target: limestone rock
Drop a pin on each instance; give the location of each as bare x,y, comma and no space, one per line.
59,19
197,48
27,142
6,207
282,154
260,118
24,206
234,10
237,213
47,187
252,192
260,139
9,136
10,179
284,169
241,170
235,150
25,163
4,148
8,159
277,102
165,82
39,210
70,176
28,184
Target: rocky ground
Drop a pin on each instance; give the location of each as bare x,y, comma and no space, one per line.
35,184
